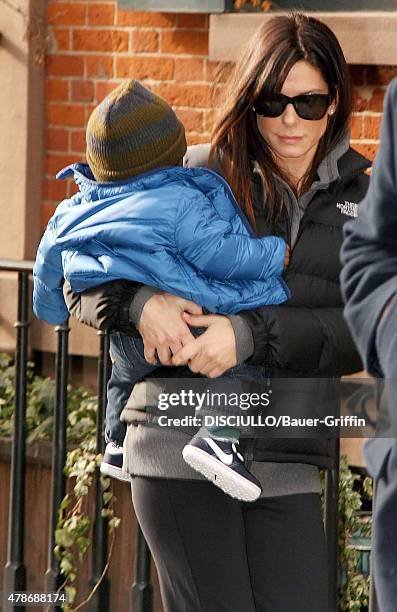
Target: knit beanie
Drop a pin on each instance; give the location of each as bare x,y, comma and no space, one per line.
132,131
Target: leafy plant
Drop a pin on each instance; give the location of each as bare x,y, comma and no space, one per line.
354,586
73,533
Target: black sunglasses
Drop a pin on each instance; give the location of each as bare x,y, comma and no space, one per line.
307,106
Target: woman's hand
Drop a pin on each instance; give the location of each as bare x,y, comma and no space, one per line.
214,351
162,327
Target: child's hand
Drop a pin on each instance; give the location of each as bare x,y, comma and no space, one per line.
287,256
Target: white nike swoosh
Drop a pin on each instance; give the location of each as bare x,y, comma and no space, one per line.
224,457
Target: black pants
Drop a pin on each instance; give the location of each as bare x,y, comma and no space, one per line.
215,554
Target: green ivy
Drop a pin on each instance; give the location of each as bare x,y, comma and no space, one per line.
73,532
354,585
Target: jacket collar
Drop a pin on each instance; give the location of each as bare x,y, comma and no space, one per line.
92,191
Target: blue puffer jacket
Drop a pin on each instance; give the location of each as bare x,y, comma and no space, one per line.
179,229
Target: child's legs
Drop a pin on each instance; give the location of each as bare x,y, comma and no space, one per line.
129,366
246,376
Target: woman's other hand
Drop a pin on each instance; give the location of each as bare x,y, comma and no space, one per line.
214,351
162,327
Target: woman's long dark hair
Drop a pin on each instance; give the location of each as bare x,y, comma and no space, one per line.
271,52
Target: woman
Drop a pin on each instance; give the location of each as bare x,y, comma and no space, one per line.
282,143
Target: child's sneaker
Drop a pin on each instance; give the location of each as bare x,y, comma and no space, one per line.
112,463
220,462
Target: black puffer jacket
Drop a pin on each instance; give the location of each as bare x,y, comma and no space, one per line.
314,312
307,336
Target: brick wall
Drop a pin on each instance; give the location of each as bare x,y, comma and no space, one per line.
94,45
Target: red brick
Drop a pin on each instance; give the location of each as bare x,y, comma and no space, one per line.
209,120
376,101
56,161
101,14
72,187
192,139
54,190
100,40
99,66
178,94
47,210
219,71
65,65
191,20
191,119
89,108
356,127
357,74
368,150
184,41
189,70
145,41
103,89
367,98
156,68
66,13
154,20
361,97
82,91
57,139
61,36
380,75
57,90
77,142
66,114
372,127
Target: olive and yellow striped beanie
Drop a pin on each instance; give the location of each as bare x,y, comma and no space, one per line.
132,131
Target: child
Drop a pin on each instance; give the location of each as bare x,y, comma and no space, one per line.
138,215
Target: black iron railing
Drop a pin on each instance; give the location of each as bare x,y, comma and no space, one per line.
141,599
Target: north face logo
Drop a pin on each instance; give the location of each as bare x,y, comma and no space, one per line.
348,208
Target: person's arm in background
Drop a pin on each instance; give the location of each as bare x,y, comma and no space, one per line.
369,253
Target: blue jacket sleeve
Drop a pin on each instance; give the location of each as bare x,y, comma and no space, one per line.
369,253
48,300
208,242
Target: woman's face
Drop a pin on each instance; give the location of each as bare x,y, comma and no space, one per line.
289,136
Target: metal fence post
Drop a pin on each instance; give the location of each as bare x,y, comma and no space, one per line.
53,578
100,600
15,570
